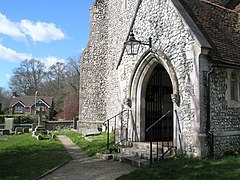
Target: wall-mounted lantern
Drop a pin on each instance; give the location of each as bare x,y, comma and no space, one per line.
132,45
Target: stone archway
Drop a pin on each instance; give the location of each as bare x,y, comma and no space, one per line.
138,87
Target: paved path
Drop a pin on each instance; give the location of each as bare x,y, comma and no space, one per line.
84,167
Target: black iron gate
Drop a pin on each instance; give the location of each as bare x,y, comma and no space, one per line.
158,102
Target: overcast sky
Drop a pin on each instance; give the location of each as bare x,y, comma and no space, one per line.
47,30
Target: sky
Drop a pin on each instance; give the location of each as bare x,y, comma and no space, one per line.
46,30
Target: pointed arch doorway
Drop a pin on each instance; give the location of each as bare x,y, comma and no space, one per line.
153,91
157,103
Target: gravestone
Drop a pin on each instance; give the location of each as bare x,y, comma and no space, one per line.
25,130
9,123
90,132
18,130
40,128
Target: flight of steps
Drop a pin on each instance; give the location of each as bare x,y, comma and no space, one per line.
139,154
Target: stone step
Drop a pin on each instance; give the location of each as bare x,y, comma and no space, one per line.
140,149
131,151
143,154
134,161
139,154
146,145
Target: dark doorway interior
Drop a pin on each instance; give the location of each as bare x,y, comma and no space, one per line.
158,102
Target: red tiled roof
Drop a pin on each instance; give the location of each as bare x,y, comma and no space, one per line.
219,26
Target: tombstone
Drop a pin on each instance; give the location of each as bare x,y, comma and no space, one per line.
25,130
90,132
9,123
40,127
18,130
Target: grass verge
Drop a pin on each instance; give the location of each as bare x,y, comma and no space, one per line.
98,144
24,157
189,168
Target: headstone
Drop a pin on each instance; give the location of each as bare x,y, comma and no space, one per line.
18,130
25,130
81,130
90,132
40,128
9,123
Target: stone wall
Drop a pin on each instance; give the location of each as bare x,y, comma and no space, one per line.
121,17
49,125
171,36
225,122
93,67
58,125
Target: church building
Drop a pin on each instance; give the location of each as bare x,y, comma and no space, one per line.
166,70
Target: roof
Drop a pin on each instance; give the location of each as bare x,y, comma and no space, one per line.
221,27
29,101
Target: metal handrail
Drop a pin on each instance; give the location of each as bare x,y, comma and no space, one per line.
158,120
114,116
108,120
151,141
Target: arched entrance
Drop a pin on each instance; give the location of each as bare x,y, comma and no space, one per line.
153,91
157,103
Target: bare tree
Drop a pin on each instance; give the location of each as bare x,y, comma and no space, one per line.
54,84
62,81
73,74
27,77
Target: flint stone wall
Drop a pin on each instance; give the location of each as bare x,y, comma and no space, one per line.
58,125
93,67
105,88
225,121
159,20
156,19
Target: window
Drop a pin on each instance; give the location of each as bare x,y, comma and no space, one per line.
18,109
234,86
38,108
232,95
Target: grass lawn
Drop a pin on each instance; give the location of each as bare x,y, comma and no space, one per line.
175,168
91,148
24,157
190,168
